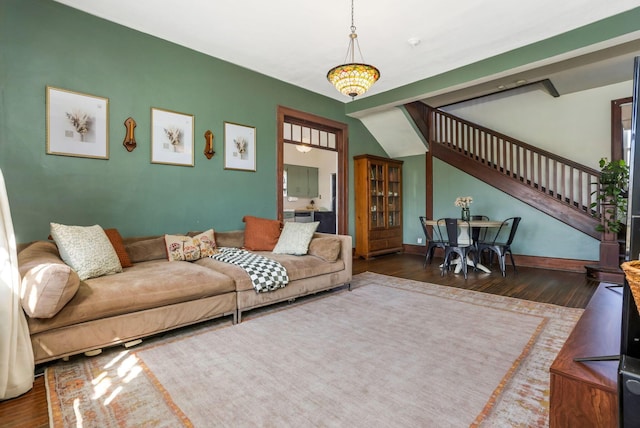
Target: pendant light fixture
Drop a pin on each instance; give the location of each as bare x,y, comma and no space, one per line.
353,78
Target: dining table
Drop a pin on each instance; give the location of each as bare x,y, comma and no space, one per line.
464,237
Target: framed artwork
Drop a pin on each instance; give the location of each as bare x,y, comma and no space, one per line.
77,124
171,137
239,147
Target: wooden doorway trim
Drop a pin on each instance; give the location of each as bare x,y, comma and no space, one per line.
429,185
616,128
342,145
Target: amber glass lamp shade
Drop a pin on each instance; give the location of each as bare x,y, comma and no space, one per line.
353,79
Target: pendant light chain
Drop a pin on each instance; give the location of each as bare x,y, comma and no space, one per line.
353,27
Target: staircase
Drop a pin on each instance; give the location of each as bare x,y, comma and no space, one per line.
552,184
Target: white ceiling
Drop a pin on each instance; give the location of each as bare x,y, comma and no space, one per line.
299,41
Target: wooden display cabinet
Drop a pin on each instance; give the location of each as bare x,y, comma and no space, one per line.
378,187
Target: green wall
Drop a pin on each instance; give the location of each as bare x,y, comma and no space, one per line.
45,43
414,197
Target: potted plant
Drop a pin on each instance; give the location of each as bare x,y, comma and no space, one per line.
612,195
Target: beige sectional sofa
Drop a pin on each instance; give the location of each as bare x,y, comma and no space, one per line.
155,295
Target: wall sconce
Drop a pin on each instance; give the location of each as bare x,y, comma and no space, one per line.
129,142
303,149
208,144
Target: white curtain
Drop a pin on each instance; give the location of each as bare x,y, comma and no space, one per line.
16,354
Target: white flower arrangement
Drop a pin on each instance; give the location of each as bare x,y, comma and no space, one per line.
80,121
174,135
241,144
463,201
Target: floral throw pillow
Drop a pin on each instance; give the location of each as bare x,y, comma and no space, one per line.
187,248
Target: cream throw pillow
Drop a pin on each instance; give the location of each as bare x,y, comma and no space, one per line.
295,238
86,249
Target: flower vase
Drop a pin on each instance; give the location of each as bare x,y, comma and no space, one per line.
466,214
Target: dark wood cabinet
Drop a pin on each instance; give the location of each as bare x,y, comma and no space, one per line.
378,188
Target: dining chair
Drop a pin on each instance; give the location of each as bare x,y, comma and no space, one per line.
499,245
454,246
431,243
479,233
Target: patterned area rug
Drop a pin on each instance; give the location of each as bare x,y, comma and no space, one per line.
392,352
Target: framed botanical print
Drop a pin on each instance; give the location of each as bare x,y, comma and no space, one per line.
77,124
239,147
171,137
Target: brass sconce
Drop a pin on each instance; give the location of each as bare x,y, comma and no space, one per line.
208,145
129,142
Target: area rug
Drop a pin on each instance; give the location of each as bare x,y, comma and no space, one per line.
391,352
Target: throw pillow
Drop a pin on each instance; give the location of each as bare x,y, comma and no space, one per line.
116,240
295,238
327,248
261,234
47,282
187,248
86,249
143,250
234,239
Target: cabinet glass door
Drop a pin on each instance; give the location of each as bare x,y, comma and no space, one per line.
377,200
394,203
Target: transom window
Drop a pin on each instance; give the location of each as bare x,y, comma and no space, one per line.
296,133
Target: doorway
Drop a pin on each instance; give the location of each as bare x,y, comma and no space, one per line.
621,129
322,125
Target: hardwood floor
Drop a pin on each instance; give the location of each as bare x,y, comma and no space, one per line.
547,286
27,411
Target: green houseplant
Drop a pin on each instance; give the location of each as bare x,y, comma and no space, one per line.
612,195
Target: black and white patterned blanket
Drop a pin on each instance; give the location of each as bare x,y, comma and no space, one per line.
266,274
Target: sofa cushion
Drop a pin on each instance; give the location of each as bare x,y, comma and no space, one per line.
47,282
86,249
187,248
234,239
298,267
295,238
328,249
144,250
116,240
145,285
261,234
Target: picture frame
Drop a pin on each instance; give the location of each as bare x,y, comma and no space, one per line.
239,147
172,139
77,124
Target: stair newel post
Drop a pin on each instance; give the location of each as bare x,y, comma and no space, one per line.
611,194
609,246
